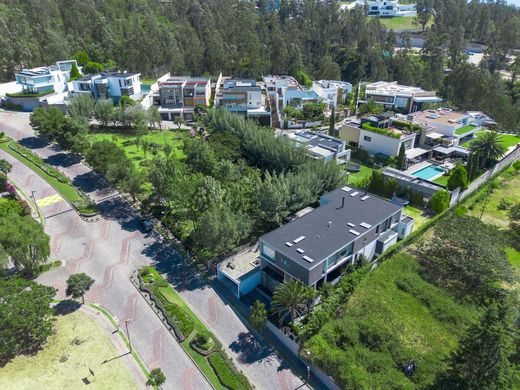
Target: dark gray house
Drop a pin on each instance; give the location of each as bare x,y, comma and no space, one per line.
317,246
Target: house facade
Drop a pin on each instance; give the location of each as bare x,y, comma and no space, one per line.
321,147
110,85
332,92
348,225
400,98
389,8
51,79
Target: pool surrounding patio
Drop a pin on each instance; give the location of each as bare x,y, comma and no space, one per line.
429,172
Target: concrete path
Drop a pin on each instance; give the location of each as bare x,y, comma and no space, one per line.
111,248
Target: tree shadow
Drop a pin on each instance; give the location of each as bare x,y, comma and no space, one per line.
66,307
63,159
117,209
33,142
90,182
249,349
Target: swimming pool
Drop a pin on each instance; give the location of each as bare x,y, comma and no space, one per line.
428,173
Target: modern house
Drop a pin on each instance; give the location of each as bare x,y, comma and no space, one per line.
244,97
400,98
110,85
298,98
314,248
379,134
332,92
178,96
448,127
321,147
51,79
389,8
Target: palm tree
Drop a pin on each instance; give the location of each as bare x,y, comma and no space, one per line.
489,147
289,299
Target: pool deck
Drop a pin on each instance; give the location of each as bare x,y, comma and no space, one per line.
425,164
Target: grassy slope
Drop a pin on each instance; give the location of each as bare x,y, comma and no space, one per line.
508,190
507,140
358,177
418,214
401,23
44,370
378,301
135,152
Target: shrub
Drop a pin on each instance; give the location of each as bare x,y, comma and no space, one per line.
440,201
10,206
179,319
227,375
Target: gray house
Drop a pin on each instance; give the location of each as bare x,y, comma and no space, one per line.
317,246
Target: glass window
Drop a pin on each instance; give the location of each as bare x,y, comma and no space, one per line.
267,251
367,138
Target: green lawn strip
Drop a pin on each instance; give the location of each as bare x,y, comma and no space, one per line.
514,258
419,215
66,190
148,81
507,140
225,374
122,335
443,180
401,23
149,274
357,177
465,129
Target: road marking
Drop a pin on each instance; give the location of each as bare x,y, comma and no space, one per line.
49,200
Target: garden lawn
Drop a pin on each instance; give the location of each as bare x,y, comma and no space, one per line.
514,258
443,180
507,190
401,23
507,140
79,344
382,327
419,215
134,150
65,189
357,178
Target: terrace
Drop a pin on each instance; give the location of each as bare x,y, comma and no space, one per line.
464,131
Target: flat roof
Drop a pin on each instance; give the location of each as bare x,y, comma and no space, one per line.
330,227
241,263
438,116
392,88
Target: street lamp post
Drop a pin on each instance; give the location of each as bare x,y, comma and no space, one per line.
128,334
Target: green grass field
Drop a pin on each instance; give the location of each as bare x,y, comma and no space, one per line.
514,258
78,344
507,140
442,180
356,178
402,23
508,190
419,215
133,148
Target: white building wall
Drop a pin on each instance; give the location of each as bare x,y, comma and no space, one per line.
379,143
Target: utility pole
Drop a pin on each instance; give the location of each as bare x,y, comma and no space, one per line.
128,334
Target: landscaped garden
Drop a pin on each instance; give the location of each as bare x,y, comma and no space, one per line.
199,343
79,344
364,173
402,23
507,140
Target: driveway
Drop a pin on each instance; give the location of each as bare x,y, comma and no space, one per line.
111,248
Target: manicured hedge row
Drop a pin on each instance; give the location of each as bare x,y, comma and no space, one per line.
229,378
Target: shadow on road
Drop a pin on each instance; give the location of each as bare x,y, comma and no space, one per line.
66,307
249,350
63,160
90,182
33,142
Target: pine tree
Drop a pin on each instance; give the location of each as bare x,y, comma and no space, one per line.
74,73
332,126
401,157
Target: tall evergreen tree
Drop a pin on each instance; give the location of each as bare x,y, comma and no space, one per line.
332,124
401,157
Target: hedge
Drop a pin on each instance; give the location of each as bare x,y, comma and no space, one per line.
366,126
229,378
29,94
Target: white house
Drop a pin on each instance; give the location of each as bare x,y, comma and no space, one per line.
110,85
389,8
332,92
51,79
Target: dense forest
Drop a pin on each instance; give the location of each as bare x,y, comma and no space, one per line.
248,38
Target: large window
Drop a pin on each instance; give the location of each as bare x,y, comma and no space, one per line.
338,256
267,252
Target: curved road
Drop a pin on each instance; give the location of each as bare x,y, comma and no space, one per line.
111,248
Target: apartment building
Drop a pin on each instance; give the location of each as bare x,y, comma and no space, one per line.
178,96
332,92
316,247
46,79
110,85
400,98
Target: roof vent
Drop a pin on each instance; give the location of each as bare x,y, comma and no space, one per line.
288,244
299,239
354,232
329,224
350,224
307,258
365,197
300,250
365,225
354,194
346,189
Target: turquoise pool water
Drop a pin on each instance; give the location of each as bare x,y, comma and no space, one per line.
145,88
429,172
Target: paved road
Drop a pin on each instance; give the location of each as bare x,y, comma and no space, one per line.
111,248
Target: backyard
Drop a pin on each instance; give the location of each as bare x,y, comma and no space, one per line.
402,23
78,345
419,215
142,148
507,140
356,178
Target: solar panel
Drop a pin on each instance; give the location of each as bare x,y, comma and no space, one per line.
308,259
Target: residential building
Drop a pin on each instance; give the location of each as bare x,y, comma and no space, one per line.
320,146
379,134
51,79
447,127
178,96
332,92
316,247
400,98
244,97
110,85
298,98
389,8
